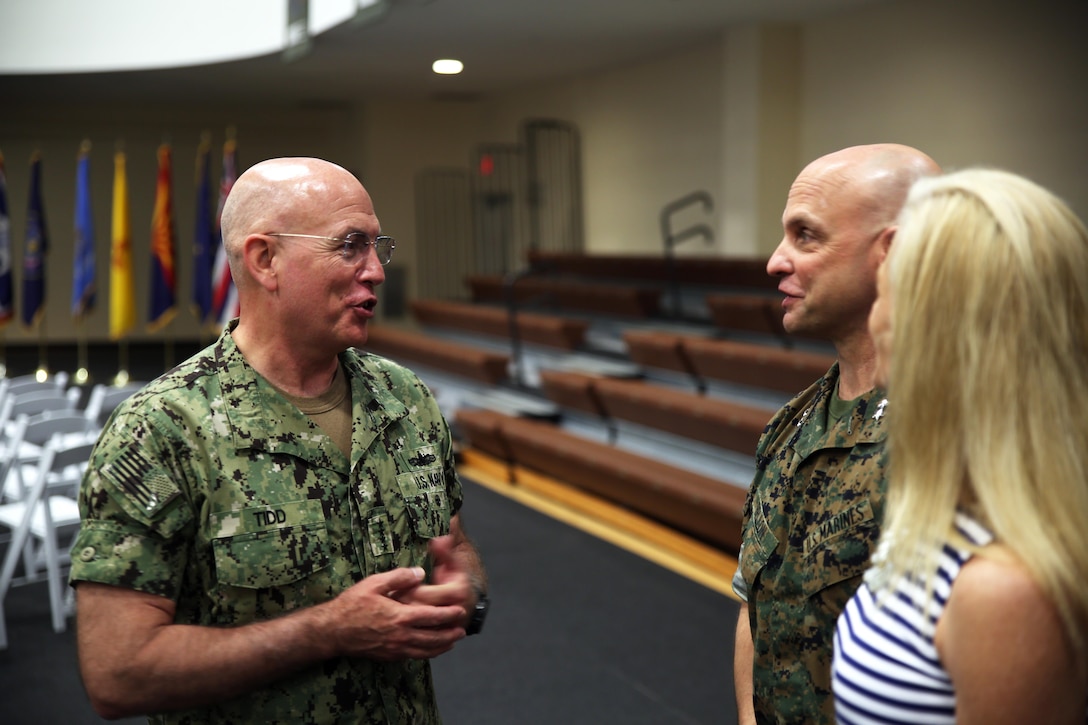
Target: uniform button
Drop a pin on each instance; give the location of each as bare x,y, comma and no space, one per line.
87,554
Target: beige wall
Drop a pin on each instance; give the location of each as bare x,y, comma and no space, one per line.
400,139
650,134
994,82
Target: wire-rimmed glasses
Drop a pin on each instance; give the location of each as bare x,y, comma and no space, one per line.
354,245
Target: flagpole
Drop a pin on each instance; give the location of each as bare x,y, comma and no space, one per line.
83,375
168,349
42,373
121,378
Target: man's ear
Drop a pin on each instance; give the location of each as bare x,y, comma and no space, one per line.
257,256
884,242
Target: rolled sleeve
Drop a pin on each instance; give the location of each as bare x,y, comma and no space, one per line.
106,554
740,586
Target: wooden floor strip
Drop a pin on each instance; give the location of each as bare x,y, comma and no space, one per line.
662,545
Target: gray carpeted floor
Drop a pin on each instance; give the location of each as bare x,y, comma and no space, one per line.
580,633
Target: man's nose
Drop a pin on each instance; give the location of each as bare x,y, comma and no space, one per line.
779,264
371,269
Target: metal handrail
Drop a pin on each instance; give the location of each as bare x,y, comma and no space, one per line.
672,239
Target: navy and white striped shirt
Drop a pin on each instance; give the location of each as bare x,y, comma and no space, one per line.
885,667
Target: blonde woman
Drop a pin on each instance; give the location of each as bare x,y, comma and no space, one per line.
975,609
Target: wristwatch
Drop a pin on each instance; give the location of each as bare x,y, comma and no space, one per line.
479,613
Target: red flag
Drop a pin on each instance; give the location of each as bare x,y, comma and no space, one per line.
163,282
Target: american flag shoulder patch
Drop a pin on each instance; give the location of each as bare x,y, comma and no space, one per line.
147,485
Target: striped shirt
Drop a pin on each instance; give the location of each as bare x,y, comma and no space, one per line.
885,667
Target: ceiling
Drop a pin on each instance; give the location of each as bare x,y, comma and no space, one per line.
504,44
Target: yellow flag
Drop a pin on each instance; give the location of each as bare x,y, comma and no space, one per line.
122,297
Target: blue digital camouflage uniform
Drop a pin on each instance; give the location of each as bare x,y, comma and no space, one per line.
811,522
209,488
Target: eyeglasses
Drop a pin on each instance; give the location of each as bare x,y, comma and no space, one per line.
354,245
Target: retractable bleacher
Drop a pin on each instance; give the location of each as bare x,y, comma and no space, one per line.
699,486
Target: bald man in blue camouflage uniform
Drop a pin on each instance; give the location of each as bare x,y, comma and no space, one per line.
272,529
813,511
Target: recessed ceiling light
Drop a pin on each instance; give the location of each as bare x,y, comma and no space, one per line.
447,66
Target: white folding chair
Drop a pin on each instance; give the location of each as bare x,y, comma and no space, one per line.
22,443
47,514
34,402
28,383
104,399
18,465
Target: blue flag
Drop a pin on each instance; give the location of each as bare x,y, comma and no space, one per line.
7,302
37,245
203,240
83,286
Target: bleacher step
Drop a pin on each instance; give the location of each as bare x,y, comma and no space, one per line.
513,403
597,366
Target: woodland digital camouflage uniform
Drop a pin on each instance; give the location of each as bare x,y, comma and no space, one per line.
209,488
811,522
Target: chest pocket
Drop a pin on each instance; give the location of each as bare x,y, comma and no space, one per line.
840,548
277,547
424,489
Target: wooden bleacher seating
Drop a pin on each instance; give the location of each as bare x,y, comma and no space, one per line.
572,390
405,346
548,330
713,421
705,271
759,366
657,349
746,313
694,499
700,506
576,296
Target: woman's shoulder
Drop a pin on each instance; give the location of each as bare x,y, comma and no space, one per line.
1003,643
995,578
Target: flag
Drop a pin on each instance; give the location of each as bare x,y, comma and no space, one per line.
7,301
224,294
37,245
162,247
83,287
122,297
203,239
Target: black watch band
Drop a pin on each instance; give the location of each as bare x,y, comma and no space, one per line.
479,614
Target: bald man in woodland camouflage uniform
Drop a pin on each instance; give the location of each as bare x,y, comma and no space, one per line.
813,510
271,531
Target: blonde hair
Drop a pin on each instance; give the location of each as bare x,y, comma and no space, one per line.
988,276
